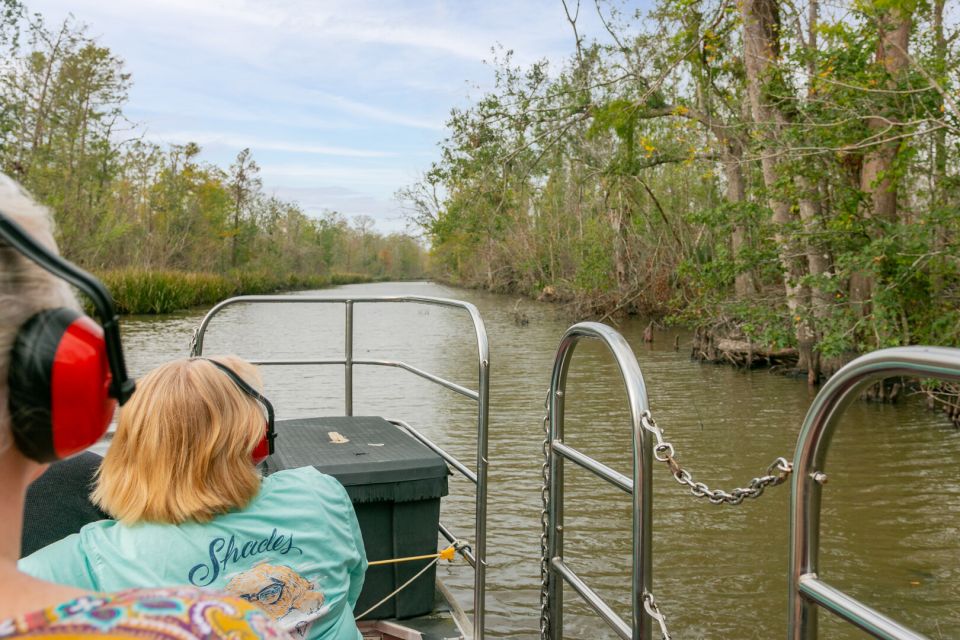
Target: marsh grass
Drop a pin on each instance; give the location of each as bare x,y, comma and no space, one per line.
144,291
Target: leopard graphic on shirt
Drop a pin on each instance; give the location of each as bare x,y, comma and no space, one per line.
290,599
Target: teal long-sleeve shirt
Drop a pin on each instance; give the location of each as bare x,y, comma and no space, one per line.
296,550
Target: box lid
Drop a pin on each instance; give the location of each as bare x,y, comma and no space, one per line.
375,460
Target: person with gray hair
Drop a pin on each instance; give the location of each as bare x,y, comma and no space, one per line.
45,416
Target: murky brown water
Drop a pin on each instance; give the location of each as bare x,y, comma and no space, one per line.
891,523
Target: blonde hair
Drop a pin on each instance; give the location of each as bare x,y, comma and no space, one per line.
183,446
25,288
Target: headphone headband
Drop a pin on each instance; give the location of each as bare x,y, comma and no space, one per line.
250,391
121,386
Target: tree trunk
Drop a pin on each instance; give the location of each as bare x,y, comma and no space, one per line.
818,259
619,242
939,188
818,265
761,27
876,177
876,180
745,285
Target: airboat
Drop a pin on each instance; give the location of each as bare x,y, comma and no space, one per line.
397,476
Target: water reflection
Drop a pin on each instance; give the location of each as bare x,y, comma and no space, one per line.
891,509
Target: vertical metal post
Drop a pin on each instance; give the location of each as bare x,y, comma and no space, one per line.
642,512
641,623
348,360
804,551
480,573
558,384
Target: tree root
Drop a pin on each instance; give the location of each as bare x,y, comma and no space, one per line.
945,397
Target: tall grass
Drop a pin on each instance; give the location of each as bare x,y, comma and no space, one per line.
146,291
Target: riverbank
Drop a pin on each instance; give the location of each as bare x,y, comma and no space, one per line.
143,291
725,343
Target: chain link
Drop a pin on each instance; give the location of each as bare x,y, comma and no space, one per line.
777,473
193,341
544,500
654,612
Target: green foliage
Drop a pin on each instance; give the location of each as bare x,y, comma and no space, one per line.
621,116
142,291
594,273
816,197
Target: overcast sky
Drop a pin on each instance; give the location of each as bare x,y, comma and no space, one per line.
341,101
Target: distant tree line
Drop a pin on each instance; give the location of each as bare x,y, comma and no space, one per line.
785,172
123,202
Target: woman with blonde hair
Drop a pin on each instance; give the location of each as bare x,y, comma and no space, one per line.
191,508
61,375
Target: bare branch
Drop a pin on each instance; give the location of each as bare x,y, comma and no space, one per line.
947,98
573,25
609,27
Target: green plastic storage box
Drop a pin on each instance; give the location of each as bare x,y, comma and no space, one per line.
395,483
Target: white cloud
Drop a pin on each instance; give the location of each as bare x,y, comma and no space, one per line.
383,180
375,113
348,202
240,141
461,32
256,32
217,109
221,10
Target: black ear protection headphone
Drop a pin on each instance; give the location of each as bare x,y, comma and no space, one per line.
264,447
66,372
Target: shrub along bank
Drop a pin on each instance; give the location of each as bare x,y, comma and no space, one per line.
139,291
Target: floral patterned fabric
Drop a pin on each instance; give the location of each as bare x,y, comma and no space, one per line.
184,614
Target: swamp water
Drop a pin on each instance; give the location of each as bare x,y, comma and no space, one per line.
891,509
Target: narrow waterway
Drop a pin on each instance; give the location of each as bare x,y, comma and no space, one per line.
891,523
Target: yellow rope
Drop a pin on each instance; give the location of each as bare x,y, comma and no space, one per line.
400,588
446,554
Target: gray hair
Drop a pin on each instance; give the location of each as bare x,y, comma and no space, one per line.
25,288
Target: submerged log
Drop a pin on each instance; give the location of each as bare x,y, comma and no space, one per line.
747,348
738,351
520,317
648,333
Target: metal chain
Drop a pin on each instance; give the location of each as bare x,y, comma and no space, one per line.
777,473
193,341
654,612
544,500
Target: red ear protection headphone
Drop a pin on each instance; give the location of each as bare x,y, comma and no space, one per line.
66,372
264,447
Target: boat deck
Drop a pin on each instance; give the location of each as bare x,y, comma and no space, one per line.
446,622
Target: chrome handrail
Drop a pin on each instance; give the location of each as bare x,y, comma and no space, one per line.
477,558
806,588
639,487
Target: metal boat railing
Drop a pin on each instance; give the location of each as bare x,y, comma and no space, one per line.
477,558
807,589
554,565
